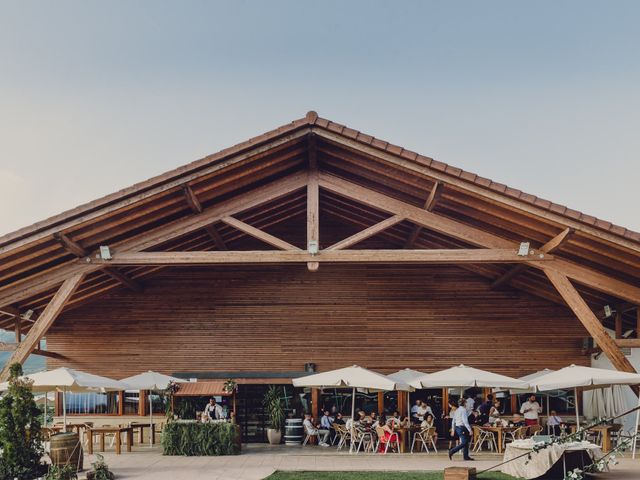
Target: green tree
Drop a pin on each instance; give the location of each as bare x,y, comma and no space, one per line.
20,434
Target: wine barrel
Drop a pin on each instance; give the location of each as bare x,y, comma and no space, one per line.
65,449
293,431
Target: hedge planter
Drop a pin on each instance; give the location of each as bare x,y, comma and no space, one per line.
200,439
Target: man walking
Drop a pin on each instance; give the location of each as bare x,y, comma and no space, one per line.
460,425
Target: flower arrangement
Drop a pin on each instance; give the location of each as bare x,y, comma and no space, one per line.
230,385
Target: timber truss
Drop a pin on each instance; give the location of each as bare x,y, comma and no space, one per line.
206,235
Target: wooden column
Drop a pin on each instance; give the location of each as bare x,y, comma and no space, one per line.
402,403
589,320
514,404
638,322
18,328
142,405
313,209
44,322
380,403
315,403
445,401
618,324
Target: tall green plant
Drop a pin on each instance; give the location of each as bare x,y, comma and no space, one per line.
20,434
273,403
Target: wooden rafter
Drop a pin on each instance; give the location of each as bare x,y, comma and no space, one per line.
296,255
79,251
474,236
428,206
22,290
366,233
11,347
313,205
588,319
44,322
552,245
196,207
259,234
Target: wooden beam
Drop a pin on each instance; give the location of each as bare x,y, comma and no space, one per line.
618,325
628,342
366,233
11,347
23,289
259,234
438,256
474,236
549,247
70,245
18,328
428,206
192,200
638,322
312,152
44,322
123,279
215,234
589,320
313,210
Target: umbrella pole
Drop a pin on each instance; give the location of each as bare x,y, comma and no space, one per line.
408,409
64,409
151,439
548,396
353,419
635,432
575,392
45,408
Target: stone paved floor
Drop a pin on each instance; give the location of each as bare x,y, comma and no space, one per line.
260,461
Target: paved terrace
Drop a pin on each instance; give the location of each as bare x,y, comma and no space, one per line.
260,461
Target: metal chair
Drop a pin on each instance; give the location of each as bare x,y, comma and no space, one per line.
424,437
483,436
392,440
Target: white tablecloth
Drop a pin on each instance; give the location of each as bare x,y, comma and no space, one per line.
542,460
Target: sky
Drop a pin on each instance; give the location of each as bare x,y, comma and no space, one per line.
543,96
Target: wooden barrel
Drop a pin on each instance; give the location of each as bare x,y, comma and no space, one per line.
293,431
66,450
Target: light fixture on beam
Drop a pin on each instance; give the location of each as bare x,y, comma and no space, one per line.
607,311
28,314
313,247
523,250
105,252
627,334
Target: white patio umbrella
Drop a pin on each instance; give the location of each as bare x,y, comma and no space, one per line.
152,381
586,378
354,377
463,376
69,380
406,375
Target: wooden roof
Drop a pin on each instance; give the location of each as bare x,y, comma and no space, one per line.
34,259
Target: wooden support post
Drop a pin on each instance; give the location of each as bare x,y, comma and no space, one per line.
618,324
44,322
18,328
315,403
402,403
123,279
313,215
196,207
514,404
380,403
638,322
428,206
142,403
589,320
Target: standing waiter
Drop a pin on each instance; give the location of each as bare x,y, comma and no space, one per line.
460,425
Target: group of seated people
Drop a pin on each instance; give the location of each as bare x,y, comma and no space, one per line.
382,425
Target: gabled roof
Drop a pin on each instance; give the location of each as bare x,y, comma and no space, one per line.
30,254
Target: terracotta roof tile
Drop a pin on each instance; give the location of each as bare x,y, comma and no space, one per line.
499,187
379,144
468,176
364,138
409,154
455,171
424,160
350,132
394,149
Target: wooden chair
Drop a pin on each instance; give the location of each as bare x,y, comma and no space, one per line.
423,438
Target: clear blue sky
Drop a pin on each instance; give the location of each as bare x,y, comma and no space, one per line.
543,96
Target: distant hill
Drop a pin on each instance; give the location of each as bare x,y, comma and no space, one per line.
34,363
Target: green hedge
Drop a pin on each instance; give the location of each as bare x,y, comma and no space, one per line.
198,439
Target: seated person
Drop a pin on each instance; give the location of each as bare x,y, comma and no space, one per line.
494,412
556,426
475,418
373,418
311,429
396,418
325,423
517,420
361,417
387,435
428,422
339,420
414,411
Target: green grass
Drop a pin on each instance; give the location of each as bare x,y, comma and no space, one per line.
376,476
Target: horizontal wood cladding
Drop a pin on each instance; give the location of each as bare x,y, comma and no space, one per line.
276,318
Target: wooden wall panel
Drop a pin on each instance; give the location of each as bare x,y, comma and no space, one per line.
275,318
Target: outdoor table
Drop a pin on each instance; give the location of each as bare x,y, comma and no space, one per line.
605,430
499,431
118,431
404,437
75,427
142,426
556,458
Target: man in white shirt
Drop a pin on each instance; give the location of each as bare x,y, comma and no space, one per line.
213,410
460,426
414,411
531,410
310,429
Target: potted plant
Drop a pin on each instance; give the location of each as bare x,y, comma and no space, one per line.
273,403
